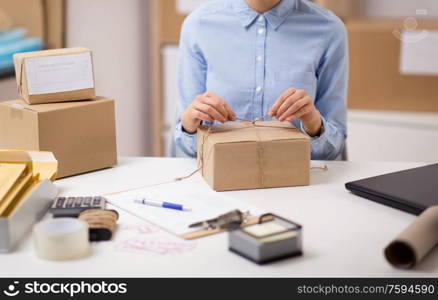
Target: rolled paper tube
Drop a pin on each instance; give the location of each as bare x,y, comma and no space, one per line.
412,245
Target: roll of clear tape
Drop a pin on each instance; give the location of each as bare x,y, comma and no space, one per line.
61,239
412,245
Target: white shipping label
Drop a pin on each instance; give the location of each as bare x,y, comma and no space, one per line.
419,52
63,73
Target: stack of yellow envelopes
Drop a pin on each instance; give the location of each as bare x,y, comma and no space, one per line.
20,174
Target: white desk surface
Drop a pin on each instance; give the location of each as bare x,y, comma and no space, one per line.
344,235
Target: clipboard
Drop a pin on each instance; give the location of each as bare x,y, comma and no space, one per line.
205,203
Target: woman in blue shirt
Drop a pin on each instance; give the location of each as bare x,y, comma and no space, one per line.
285,59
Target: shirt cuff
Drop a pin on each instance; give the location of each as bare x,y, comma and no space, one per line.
316,139
189,138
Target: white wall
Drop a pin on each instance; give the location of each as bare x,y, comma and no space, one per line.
117,32
400,8
392,136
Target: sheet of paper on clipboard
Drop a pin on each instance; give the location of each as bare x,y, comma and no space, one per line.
204,203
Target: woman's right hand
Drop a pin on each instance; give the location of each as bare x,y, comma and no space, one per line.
206,107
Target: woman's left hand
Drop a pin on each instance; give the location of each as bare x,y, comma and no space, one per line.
296,104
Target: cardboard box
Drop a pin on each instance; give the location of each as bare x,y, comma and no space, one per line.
55,23
25,13
376,82
43,19
342,8
33,200
55,75
243,156
80,134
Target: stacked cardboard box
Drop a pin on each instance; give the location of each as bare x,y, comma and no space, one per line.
376,46
376,81
42,19
342,8
81,134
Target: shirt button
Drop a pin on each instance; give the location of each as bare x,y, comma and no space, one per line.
261,31
259,58
261,19
258,89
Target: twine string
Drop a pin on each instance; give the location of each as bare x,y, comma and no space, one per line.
201,153
260,155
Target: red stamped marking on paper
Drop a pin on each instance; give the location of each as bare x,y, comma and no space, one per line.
141,228
155,245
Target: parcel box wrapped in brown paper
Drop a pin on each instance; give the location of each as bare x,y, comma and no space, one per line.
235,156
55,75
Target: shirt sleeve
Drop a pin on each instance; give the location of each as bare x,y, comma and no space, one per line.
331,97
191,78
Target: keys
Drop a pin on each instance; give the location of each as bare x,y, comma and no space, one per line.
70,201
87,201
73,206
78,201
60,202
96,201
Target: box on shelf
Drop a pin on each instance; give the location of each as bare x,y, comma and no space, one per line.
26,192
243,156
342,8
42,19
80,134
27,14
375,79
55,75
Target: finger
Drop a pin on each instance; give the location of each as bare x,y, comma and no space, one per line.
231,114
303,111
211,111
217,103
201,116
300,113
217,99
297,105
290,101
279,102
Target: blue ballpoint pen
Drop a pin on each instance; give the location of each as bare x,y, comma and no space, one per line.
162,204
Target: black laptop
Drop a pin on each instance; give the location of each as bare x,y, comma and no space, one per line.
412,190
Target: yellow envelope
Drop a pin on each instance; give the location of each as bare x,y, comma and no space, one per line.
22,171
9,175
39,162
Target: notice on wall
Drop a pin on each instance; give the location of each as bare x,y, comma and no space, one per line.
185,7
419,53
63,73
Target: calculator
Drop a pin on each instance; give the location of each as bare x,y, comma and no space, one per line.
73,206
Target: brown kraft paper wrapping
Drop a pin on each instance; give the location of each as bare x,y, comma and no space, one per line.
250,155
412,245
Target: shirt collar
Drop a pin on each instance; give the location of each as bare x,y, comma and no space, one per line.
275,17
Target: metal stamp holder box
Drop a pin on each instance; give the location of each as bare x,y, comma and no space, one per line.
273,238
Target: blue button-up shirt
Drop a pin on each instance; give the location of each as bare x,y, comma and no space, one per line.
250,59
